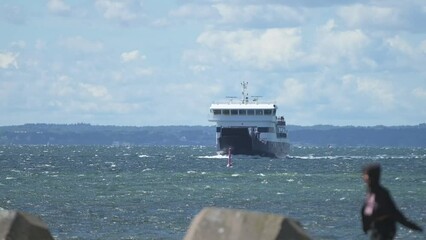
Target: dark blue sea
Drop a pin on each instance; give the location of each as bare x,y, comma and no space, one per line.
139,192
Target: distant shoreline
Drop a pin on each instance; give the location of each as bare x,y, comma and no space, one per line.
318,135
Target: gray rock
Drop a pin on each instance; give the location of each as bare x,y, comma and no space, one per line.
22,226
227,224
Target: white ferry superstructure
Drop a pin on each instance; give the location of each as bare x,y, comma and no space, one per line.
249,127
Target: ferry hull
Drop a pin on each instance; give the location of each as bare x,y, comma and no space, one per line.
273,149
252,146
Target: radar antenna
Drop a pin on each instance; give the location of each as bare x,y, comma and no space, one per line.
244,93
256,98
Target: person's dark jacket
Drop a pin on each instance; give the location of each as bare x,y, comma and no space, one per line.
385,214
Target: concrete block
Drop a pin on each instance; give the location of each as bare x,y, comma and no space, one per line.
233,224
22,226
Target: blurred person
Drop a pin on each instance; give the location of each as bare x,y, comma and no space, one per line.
379,212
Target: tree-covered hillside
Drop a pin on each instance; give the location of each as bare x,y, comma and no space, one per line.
321,135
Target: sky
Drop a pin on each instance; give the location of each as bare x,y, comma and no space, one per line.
156,63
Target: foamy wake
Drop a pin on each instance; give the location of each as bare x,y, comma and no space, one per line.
214,157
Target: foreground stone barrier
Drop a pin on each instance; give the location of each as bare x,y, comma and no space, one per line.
22,226
225,224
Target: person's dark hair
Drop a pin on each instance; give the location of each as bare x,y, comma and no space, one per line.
373,171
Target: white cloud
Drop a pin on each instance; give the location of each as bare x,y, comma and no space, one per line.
265,13
78,98
379,94
19,44
359,15
62,87
423,47
364,66
385,16
398,44
66,87
262,49
194,11
13,13
378,90
144,72
124,11
228,13
40,44
131,56
58,6
96,91
406,52
420,93
292,93
198,68
93,107
8,59
161,22
334,46
79,43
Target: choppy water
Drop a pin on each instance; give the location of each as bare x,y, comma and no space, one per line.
103,192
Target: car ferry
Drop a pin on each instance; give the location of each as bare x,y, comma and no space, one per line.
249,127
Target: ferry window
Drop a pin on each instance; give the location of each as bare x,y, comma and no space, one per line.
262,129
267,111
242,112
234,112
259,112
216,111
250,112
225,111
281,135
275,111
265,129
